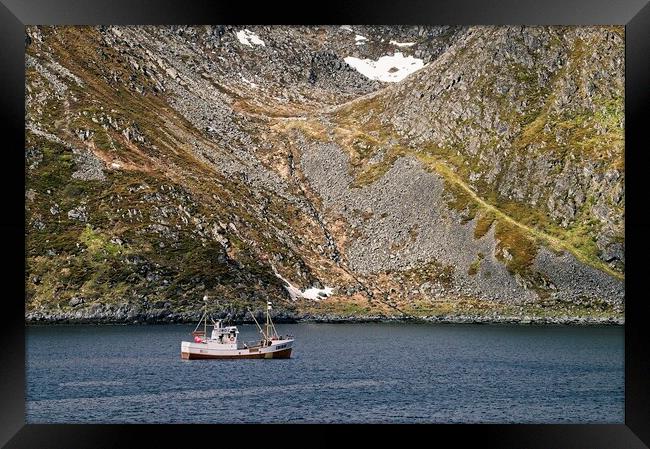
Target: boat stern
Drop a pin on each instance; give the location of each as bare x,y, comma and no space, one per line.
280,349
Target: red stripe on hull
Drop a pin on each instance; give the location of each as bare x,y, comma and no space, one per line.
283,354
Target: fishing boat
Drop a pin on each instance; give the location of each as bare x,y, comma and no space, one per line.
224,343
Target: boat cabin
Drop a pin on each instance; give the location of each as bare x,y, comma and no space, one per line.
224,335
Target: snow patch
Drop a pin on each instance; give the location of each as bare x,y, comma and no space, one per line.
389,69
347,28
315,294
402,44
249,38
360,40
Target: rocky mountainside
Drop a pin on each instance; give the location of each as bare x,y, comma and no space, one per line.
340,171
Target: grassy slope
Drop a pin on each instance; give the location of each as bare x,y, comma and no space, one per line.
95,268
68,258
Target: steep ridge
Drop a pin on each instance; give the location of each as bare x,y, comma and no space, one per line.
166,161
528,102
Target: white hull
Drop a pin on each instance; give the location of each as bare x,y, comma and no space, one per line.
279,349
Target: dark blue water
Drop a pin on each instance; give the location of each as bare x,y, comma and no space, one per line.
338,373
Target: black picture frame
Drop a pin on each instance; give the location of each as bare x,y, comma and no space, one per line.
15,14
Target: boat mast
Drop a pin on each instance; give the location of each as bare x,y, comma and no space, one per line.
269,323
268,320
205,316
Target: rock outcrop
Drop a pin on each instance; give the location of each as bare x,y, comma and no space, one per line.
166,162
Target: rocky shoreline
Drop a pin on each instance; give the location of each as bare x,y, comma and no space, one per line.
36,318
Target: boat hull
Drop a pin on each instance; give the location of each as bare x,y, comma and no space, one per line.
282,354
199,351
